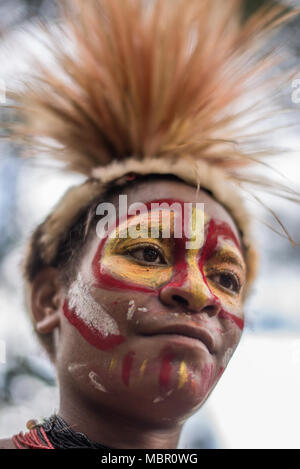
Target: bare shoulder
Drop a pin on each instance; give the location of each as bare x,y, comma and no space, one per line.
7,444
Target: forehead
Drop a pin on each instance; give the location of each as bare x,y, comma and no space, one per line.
177,190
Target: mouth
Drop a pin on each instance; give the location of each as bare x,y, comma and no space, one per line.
185,330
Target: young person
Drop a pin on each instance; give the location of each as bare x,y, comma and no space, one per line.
136,281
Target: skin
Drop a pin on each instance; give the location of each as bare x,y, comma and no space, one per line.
130,385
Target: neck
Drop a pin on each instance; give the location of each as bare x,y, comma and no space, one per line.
116,431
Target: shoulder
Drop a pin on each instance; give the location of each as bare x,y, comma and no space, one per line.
7,444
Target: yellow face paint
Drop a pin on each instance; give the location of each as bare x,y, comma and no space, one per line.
120,262
183,375
142,369
116,258
194,280
112,364
227,259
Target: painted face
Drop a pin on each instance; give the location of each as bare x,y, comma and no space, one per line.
158,316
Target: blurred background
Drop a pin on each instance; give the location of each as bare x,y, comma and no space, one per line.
256,403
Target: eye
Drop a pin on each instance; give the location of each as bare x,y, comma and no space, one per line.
227,280
148,255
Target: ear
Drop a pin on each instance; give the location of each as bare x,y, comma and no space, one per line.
46,300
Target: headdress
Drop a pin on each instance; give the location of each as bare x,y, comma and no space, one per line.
152,87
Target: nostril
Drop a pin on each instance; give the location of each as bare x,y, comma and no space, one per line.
180,300
210,309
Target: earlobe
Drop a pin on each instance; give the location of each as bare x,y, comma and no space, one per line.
46,300
48,323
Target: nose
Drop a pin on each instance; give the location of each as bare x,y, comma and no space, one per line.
190,297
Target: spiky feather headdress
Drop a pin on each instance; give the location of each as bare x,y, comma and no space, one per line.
150,87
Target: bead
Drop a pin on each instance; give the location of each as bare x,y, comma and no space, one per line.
31,424
130,176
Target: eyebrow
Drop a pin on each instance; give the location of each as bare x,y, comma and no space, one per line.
155,226
229,257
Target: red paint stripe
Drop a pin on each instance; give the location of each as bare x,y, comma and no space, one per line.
191,382
207,375
233,318
126,368
214,231
165,370
109,282
180,272
220,372
92,335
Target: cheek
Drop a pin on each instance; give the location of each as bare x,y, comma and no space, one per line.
230,339
117,272
92,319
236,319
231,316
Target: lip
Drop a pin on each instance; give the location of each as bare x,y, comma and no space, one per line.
186,330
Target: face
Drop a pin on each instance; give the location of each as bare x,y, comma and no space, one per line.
150,322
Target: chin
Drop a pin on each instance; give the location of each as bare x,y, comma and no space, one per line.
175,408
148,403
